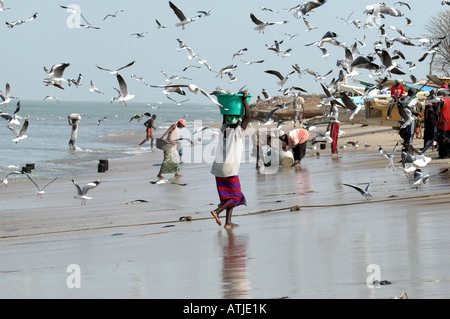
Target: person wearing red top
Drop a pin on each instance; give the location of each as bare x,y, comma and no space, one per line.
443,128
397,92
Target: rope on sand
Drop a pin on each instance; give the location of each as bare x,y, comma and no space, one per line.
291,208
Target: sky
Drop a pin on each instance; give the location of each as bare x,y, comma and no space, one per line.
53,37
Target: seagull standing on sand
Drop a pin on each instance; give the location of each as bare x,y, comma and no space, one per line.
41,191
124,96
364,192
114,72
180,15
82,192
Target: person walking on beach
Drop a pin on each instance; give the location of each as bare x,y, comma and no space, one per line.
397,92
227,162
73,137
171,161
149,134
298,103
296,140
333,127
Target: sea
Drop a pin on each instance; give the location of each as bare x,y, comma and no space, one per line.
49,133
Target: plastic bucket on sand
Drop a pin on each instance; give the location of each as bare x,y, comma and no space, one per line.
232,104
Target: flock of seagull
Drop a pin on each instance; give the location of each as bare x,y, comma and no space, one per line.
348,67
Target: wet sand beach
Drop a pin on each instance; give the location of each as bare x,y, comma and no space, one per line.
302,235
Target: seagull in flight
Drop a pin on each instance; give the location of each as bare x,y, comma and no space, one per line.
124,96
5,96
282,78
261,25
51,97
12,119
390,157
363,192
20,135
19,22
41,191
73,10
2,6
180,15
82,192
94,89
55,75
194,89
113,15
160,26
114,72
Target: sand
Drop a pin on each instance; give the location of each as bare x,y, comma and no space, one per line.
302,235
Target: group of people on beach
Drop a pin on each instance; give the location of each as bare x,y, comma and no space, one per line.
230,145
435,120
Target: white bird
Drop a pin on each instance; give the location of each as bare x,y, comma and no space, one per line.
12,119
390,157
160,26
139,117
308,25
51,97
94,89
177,102
5,181
112,15
77,82
114,72
82,192
5,96
195,89
160,182
139,34
351,105
303,9
180,15
41,191
19,22
55,75
2,6
20,135
260,25
124,96
72,9
227,69
364,192
419,179
101,120
282,78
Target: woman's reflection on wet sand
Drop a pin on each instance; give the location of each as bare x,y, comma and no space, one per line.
234,271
